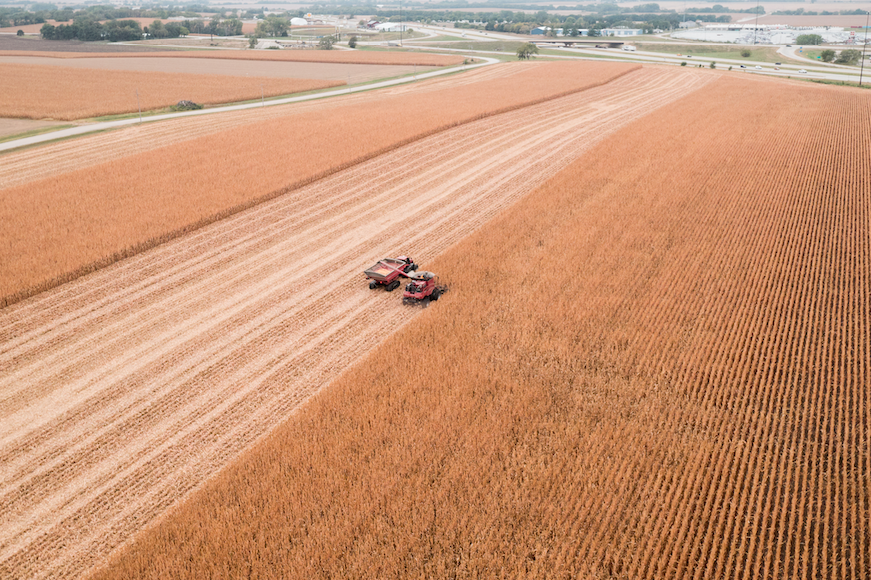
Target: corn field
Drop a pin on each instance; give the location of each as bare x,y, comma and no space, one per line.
654,366
56,92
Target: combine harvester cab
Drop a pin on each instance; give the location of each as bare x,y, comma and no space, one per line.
387,272
421,285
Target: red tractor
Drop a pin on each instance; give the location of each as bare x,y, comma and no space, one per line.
421,285
387,272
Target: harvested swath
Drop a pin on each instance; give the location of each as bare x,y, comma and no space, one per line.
56,92
332,56
656,366
163,366
74,223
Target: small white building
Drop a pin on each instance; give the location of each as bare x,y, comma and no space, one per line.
391,27
298,22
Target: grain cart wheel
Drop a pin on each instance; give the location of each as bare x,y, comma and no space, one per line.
412,268
373,284
393,286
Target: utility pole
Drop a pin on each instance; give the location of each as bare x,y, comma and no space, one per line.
864,47
140,106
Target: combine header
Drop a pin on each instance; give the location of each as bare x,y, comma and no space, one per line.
422,285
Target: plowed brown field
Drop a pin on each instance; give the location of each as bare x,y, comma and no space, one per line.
124,390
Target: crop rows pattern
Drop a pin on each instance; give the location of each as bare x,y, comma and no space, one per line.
656,366
67,225
123,390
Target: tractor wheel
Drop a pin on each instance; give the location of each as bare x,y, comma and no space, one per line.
373,284
435,295
393,286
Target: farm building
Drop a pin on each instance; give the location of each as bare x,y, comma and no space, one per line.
543,31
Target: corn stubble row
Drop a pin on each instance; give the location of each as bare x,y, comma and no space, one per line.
655,367
333,57
68,225
57,92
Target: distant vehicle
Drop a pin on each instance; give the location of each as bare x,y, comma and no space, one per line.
757,66
788,45
776,68
777,64
802,71
689,56
629,47
742,66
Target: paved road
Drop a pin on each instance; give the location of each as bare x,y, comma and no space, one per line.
102,126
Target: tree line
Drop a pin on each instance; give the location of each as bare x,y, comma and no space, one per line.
40,13
127,30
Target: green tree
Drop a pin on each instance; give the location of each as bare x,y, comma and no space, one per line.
48,32
156,30
20,32
745,52
526,51
352,42
850,56
809,39
827,55
326,43
252,41
713,64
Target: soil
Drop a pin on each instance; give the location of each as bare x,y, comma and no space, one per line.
125,390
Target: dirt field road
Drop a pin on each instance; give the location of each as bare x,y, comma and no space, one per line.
123,391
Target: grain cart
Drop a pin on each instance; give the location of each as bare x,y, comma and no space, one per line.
387,272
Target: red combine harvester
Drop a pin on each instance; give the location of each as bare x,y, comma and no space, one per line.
387,272
421,285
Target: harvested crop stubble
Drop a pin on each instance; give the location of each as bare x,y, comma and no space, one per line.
68,225
333,56
56,92
647,378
